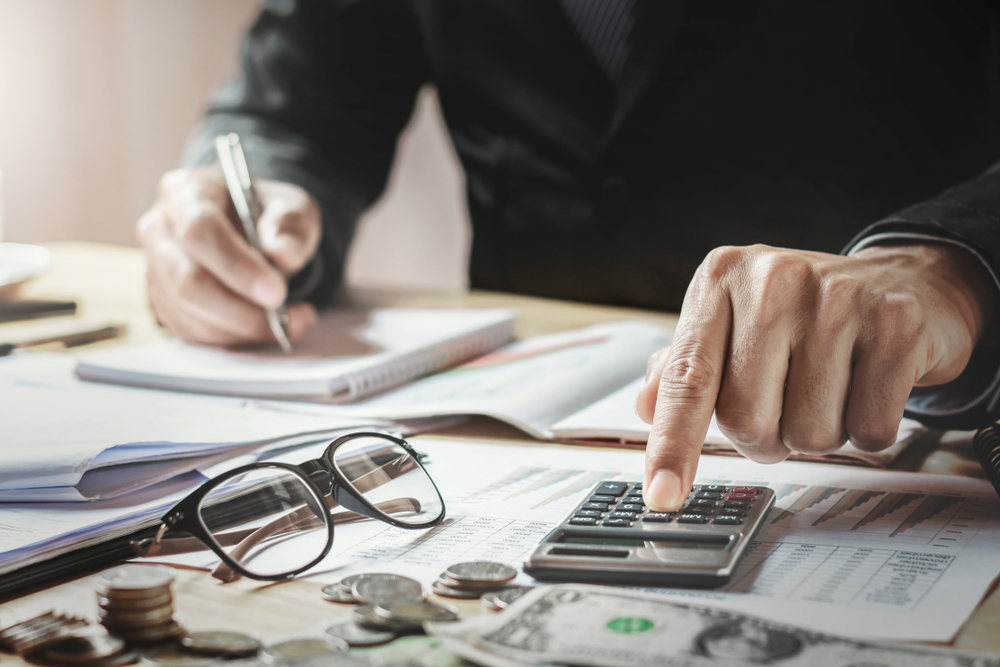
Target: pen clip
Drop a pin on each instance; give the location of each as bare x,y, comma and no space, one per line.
241,188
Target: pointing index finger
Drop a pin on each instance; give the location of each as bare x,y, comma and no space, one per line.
688,388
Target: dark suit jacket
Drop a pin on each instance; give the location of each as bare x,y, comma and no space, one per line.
806,125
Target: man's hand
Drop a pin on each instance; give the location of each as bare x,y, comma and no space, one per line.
800,351
206,283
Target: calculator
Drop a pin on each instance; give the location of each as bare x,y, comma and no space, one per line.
611,537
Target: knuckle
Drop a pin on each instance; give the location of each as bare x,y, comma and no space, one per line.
812,440
689,371
871,436
779,272
721,261
743,425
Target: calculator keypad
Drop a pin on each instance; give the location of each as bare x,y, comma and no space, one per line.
619,505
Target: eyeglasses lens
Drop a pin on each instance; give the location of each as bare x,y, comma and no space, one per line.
266,519
389,478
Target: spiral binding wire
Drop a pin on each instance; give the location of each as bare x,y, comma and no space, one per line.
986,443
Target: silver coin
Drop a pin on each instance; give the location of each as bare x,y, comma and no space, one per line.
337,593
142,618
171,655
503,598
84,649
134,603
146,634
457,593
347,583
136,577
376,588
222,643
469,585
481,571
367,617
359,635
305,648
416,612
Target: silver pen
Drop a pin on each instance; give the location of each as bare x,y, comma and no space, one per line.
249,208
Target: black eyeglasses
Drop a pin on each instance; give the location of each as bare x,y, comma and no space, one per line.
273,520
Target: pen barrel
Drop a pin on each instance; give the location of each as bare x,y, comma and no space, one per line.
986,443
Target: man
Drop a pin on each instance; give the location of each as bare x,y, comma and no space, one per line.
713,157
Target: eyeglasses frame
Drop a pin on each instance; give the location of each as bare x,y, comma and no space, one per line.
185,515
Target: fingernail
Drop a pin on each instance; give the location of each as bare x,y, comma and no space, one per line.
664,492
267,292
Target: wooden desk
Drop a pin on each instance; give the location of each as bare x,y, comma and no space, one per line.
109,285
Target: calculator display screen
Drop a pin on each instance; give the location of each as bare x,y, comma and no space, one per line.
709,542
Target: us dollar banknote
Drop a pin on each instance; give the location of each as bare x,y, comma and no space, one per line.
597,626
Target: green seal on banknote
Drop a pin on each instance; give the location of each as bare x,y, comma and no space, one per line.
630,625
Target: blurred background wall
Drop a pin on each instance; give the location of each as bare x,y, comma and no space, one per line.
97,97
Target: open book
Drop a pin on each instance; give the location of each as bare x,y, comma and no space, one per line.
349,354
571,386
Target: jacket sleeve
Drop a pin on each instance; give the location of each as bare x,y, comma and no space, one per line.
323,90
967,216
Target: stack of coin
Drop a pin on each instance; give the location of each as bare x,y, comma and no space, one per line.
36,632
501,599
469,580
136,603
94,648
374,588
402,617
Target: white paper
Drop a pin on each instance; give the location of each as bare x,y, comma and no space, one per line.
868,554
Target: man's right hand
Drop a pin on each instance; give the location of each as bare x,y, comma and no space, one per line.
206,283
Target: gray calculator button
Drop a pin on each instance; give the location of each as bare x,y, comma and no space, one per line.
687,518
657,517
633,499
713,487
629,507
697,509
588,513
728,519
709,495
583,521
622,515
612,488
736,504
595,506
702,502
603,499
617,523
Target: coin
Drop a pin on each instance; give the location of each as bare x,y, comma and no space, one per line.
503,598
84,649
367,617
416,612
347,583
135,603
481,572
136,577
375,588
457,593
148,634
171,655
221,642
336,593
135,619
359,635
470,585
305,648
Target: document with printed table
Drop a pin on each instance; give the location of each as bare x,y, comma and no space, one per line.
349,354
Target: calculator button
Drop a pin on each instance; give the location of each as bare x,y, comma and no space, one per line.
702,502
697,509
637,500
603,499
617,523
612,488
629,507
741,496
736,504
657,517
689,518
637,486
709,495
713,487
595,506
728,519
588,513
745,489
622,515
583,521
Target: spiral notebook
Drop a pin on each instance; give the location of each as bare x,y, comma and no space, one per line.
349,354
